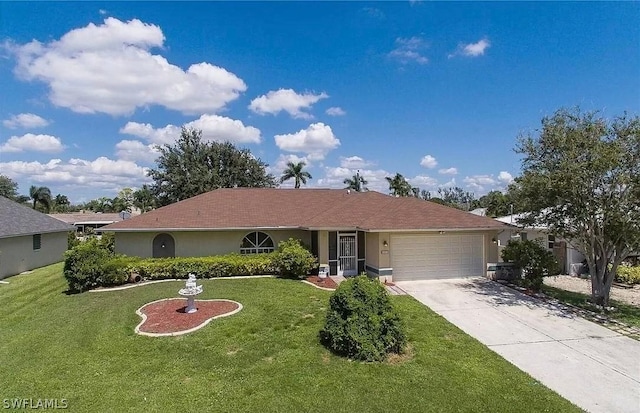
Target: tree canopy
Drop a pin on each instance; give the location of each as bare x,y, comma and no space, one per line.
40,195
356,183
191,167
580,178
295,171
8,187
399,186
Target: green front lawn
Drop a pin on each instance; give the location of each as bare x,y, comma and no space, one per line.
266,358
624,312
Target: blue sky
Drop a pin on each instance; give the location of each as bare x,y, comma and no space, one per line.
435,91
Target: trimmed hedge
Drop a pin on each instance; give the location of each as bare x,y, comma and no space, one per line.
205,267
93,264
628,275
293,260
362,322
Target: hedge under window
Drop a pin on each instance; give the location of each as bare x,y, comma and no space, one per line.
256,243
37,241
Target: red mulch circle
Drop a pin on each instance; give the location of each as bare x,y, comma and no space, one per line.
322,282
169,316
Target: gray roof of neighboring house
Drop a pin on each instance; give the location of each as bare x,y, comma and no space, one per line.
79,218
17,220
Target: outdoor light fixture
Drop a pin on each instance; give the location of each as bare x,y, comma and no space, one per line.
441,232
495,241
162,245
385,243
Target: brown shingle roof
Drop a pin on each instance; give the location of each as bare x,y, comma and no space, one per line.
303,208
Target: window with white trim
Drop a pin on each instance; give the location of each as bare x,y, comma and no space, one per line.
552,241
256,243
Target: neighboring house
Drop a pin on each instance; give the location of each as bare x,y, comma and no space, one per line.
479,211
28,239
352,232
84,220
569,258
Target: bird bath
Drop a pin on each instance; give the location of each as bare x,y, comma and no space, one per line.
190,291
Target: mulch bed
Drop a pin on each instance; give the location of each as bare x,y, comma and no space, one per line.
169,316
322,282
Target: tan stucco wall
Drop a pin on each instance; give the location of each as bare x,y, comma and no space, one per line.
372,252
323,247
17,253
198,243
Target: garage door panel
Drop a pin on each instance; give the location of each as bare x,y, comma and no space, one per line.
436,256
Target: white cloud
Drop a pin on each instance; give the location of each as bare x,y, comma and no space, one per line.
286,100
32,143
213,127
109,68
428,161
423,182
335,111
101,173
316,141
505,177
409,50
334,178
480,183
472,49
26,121
354,162
136,151
448,171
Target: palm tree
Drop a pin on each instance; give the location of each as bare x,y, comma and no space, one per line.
356,182
399,186
40,195
295,170
61,203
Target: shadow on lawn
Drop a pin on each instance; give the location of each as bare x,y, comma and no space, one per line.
503,295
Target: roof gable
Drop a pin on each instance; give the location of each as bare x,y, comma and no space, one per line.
240,208
17,220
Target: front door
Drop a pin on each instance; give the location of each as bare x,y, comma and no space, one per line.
347,255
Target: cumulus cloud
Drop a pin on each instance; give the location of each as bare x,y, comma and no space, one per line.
334,178
286,100
213,127
409,50
101,173
32,143
481,183
423,182
129,150
505,177
471,49
448,171
335,111
428,161
109,68
354,162
316,141
26,121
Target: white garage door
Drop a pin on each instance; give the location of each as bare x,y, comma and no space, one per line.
421,257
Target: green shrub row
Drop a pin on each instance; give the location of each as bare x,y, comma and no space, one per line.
628,275
93,264
205,267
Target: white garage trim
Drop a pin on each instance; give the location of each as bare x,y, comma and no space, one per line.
437,256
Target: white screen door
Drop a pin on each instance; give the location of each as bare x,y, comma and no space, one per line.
347,255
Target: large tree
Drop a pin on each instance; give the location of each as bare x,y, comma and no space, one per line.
296,171
191,167
61,203
455,197
399,186
143,199
8,187
40,195
356,183
581,177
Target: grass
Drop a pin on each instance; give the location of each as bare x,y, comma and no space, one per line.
266,358
624,312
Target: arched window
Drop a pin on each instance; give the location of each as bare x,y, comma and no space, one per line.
256,243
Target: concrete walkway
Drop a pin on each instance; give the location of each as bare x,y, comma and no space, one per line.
593,367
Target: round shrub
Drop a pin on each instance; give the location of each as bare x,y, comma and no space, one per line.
362,322
533,259
293,260
83,265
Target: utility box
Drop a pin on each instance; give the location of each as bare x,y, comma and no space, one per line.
323,271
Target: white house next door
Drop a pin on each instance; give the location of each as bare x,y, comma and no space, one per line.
347,255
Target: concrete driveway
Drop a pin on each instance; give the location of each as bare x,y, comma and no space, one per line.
590,365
